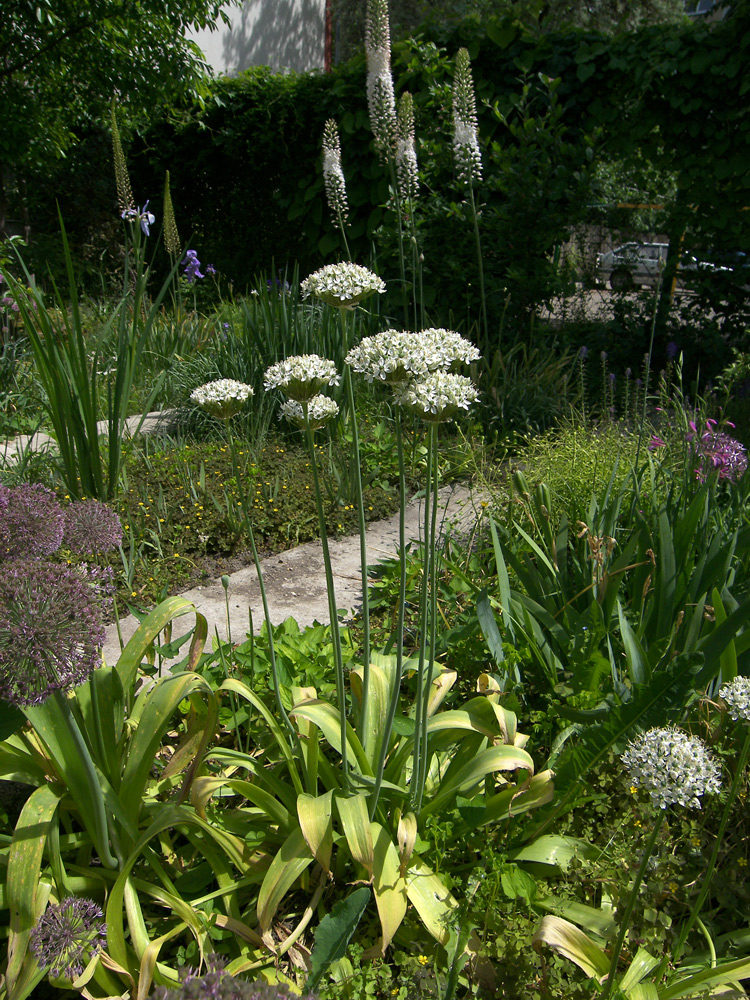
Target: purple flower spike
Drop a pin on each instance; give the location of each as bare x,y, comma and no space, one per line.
91,526
655,443
31,522
51,633
67,936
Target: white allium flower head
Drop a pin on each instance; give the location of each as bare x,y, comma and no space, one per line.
342,285
381,98
397,356
675,768
301,377
320,409
333,175
222,398
438,396
737,696
466,151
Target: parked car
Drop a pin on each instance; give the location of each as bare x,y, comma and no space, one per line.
641,263
633,264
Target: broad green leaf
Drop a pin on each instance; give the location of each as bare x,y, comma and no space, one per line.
135,651
566,939
634,654
510,802
388,883
23,889
552,849
639,968
499,758
435,905
327,719
315,814
378,699
727,973
728,656
490,631
333,933
290,861
355,821
11,720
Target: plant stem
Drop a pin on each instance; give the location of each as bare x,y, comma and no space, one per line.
396,690
256,560
706,881
480,266
332,610
367,735
625,921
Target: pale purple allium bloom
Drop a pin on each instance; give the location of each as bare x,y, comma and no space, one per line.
67,936
31,522
720,452
51,633
91,526
218,984
192,266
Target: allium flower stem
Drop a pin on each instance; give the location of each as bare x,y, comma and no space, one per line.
706,880
264,600
400,615
332,609
367,736
624,923
480,269
401,252
427,602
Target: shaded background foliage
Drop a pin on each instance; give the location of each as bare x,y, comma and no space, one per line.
554,107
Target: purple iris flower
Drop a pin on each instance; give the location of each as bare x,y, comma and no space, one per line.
147,219
192,266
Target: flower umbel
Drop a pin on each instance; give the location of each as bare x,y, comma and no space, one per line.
218,984
51,633
342,285
737,696
91,526
223,398
67,936
320,409
31,522
437,397
333,175
301,377
675,768
399,356
466,152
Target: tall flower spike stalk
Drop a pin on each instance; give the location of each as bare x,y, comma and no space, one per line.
381,104
125,198
171,236
468,156
407,180
333,178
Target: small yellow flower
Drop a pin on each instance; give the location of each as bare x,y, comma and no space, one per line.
632,789
423,960
742,862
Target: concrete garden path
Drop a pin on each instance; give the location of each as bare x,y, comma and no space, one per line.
295,580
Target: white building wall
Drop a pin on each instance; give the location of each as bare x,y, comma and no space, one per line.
282,34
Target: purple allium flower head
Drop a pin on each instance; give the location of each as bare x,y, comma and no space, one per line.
217,984
673,349
719,452
51,633
91,526
192,266
31,522
67,936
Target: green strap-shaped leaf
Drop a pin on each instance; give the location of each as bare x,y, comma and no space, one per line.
725,974
430,898
290,861
568,940
22,880
388,883
378,700
502,758
159,705
355,821
135,651
315,814
328,721
639,968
